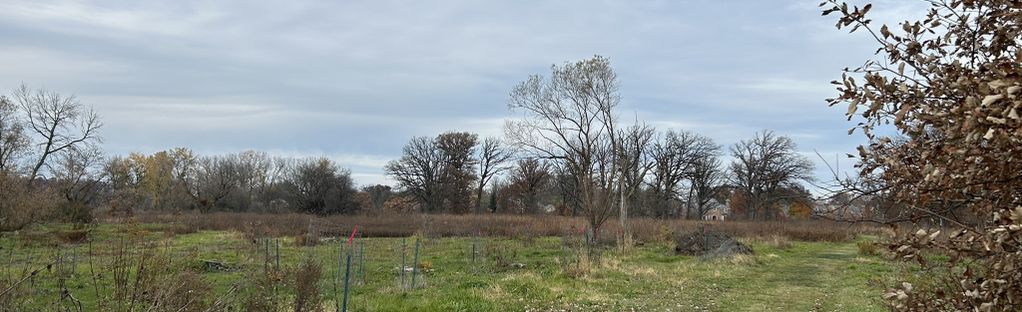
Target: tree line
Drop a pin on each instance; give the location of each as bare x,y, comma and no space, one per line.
567,154
52,167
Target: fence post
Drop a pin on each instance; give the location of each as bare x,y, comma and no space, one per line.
415,263
362,259
347,271
266,259
401,270
347,268
337,274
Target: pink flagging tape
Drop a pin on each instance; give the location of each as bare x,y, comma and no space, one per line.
352,237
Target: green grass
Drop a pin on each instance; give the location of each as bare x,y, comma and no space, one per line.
806,276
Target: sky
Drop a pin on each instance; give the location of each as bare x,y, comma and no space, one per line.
355,80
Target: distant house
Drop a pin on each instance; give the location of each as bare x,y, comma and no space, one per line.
715,214
549,208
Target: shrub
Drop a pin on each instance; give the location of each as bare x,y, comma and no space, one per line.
185,292
306,240
20,205
867,247
75,212
578,255
306,285
664,233
948,85
259,296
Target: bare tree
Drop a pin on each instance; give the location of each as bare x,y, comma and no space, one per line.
419,172
635,163
763,166
673,155
492,158
569,118
13,141
437,172
527,180
253,176
705,174
78,172
216,178
321,187
57,122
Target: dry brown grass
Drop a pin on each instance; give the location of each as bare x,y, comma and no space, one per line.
71,236
517,226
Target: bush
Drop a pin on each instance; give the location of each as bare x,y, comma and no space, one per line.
306,285
20,205
186,292
867,247
578,256
75,212
259,296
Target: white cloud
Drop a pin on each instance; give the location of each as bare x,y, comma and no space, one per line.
815,87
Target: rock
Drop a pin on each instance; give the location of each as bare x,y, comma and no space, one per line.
727,249
710,245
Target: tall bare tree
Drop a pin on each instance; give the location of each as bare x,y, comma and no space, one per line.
569,118
705,174
253,176
57,123
635,162
762,167
13,141
419,172
492,159
673,155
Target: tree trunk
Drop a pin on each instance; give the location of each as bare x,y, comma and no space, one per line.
688,206
623,214
479,198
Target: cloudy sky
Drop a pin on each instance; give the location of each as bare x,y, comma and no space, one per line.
354,80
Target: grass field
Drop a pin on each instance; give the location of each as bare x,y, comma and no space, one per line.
505,275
